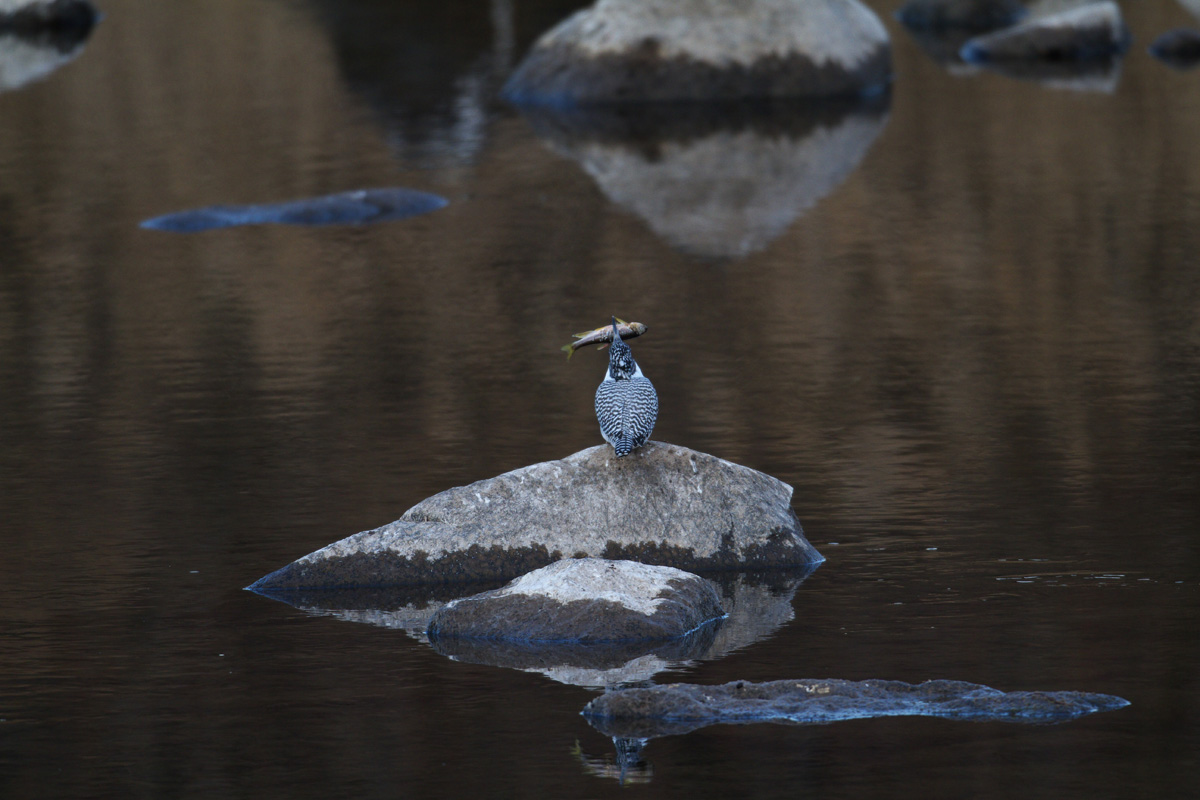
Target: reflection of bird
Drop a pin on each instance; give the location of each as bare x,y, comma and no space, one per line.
626,403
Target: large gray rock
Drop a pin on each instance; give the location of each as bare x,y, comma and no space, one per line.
680,708
584,601
668,50
664,504
1094,31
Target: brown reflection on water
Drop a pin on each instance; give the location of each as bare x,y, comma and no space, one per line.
984,340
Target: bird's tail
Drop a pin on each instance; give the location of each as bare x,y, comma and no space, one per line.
623,446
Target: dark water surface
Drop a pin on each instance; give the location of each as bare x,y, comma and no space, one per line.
964,324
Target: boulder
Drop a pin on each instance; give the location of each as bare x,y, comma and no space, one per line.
584,601
663,504
668,50
680,708
1091,32
975,15
1179,48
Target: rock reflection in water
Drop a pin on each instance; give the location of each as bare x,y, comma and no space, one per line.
1101,75
944,47
30,52
405,608
593,665
429,71
361,207
716,180
758,604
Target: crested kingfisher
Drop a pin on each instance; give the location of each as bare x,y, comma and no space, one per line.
626,403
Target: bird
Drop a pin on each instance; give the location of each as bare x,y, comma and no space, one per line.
626,403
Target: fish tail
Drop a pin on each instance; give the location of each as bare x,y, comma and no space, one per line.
570,350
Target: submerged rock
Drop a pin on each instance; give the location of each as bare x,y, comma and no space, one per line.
717,180
584,601
670,50
359,207
1091,32
663,504
975,15
1179,48
680,708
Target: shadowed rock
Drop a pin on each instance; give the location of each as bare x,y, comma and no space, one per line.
1092,32
361,207
680,708
663,504
974,15
670,50
1179,48
717,180
584,601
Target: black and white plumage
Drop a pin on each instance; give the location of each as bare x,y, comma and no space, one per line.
626,403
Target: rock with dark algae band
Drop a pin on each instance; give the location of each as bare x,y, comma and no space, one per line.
620,51
663,504
1092,32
